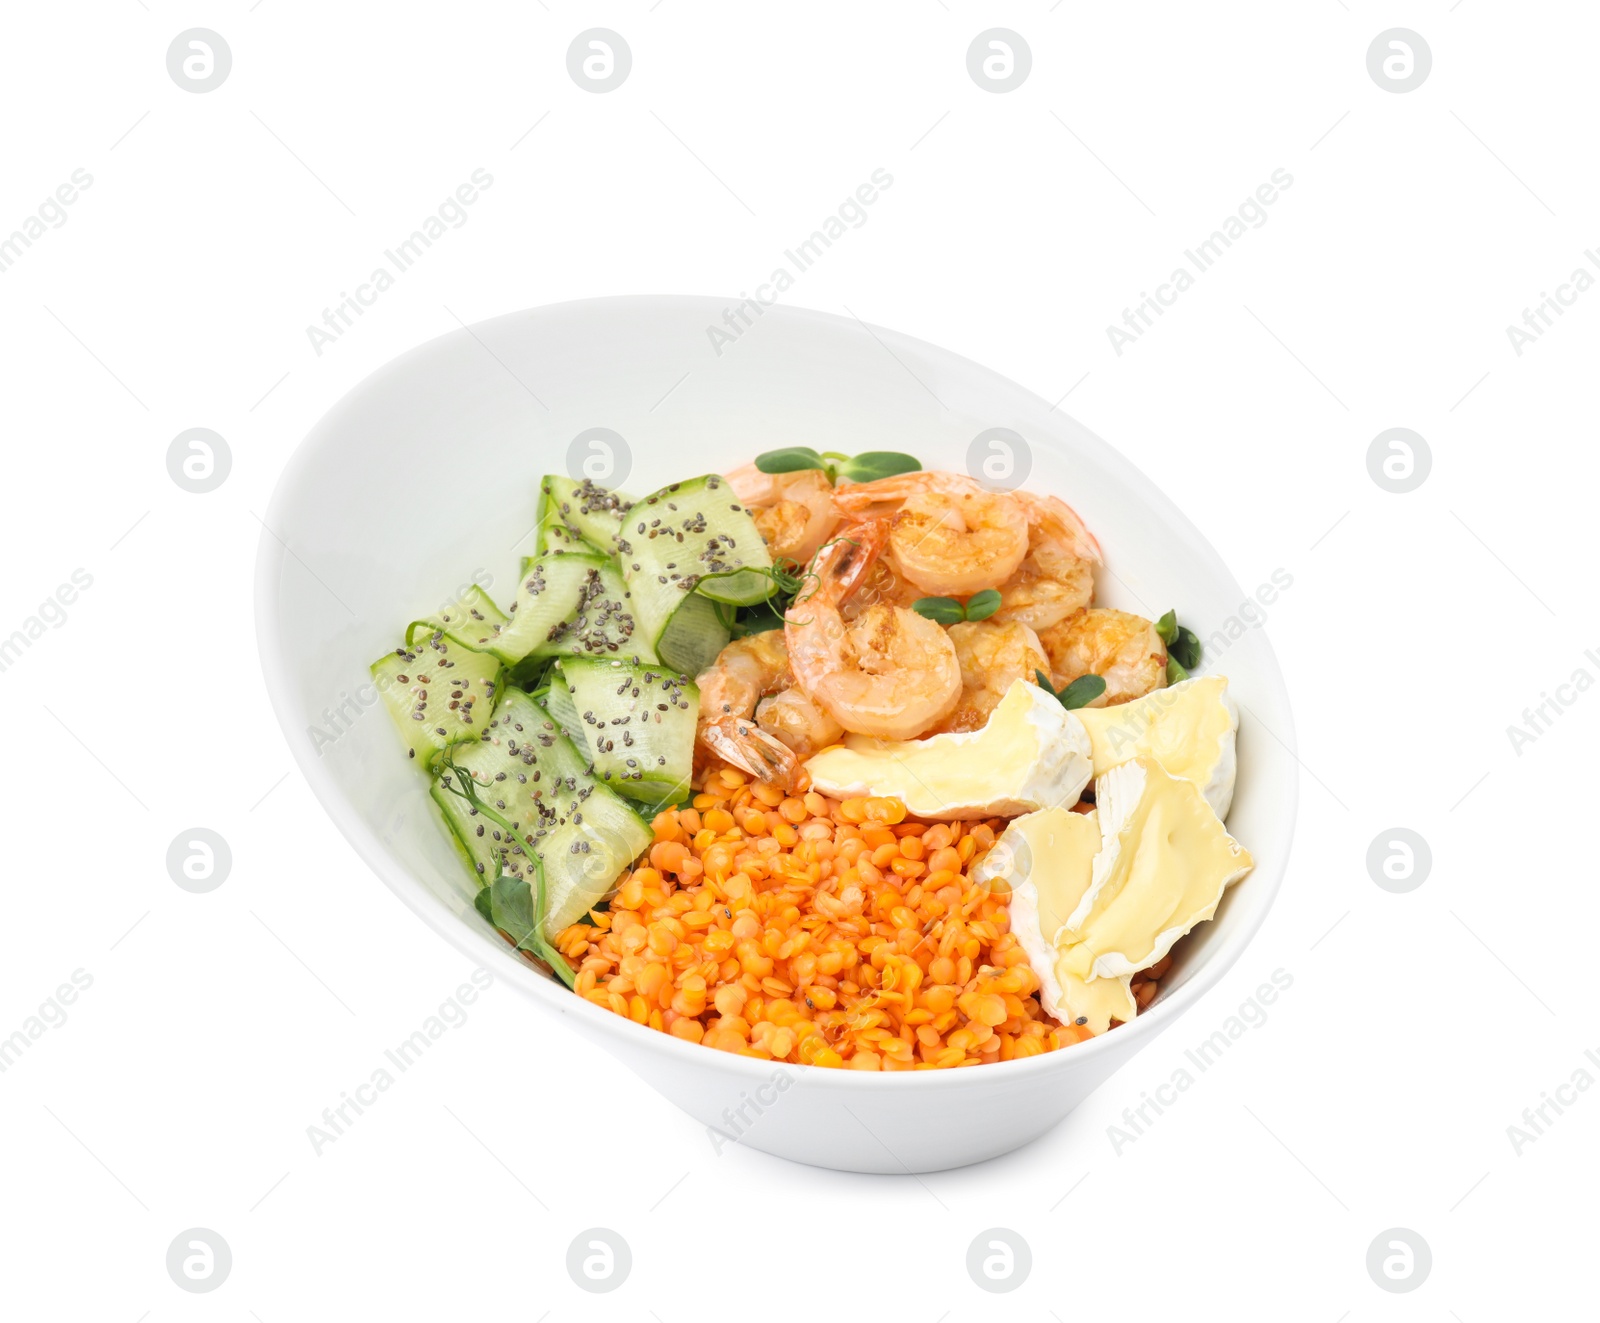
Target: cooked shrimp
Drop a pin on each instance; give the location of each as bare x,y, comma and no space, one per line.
744,672
951,537
1122,648
992,655
889,672
751,677
797,721
1056,579
1042,593
794,511
1052,519
881,584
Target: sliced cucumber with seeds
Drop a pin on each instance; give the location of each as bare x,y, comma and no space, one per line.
556,536
684,550
527,770
572,604
694,634
695,536
551,532
604,623
472,620
524,768
591,511
439,692
558,702
638,721
585,856
548,593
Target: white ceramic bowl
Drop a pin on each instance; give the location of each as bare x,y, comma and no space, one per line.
425,475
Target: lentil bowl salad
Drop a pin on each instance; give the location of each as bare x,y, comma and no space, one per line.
828,760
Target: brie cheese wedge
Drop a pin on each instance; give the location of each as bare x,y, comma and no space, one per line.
1098,897
1188,729
1031,754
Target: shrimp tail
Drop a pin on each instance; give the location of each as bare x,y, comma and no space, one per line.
740,743
841,565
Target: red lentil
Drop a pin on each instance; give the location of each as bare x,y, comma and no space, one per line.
807,929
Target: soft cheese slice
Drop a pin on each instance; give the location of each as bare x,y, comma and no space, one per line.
1188,729
1096,897
1047,860
1031,754
1164,862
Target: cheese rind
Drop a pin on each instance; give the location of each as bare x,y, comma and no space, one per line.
1189,729
1032,753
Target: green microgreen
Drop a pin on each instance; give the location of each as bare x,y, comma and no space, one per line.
1080,693
865,467
1185,649
791,459
1183,645
871,465
951,610
943,610
980,606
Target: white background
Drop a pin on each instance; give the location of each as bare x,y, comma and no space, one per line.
1419,626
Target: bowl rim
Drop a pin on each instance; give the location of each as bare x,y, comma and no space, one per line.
627,1035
